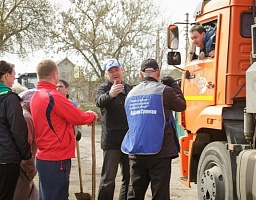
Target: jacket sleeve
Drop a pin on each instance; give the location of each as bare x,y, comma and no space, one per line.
102,96
174,98
18,126
72,114
29,165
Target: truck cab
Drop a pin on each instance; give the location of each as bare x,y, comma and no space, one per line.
215,92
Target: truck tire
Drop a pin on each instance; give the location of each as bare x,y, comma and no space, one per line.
214,175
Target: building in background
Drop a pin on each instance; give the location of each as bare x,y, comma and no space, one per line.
82,89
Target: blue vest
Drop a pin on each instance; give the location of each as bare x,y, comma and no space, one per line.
146,119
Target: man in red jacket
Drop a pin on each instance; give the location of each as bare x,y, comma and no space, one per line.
53,116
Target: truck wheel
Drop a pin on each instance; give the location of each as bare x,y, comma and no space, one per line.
214,175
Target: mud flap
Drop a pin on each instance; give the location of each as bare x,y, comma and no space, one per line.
246,175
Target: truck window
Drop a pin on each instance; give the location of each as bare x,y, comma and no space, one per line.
245,25
203,44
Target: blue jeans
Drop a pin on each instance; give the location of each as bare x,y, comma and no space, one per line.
111,159
53,179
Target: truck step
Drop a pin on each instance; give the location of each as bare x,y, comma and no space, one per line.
184,178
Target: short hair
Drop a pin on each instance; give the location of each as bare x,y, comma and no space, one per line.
5,67
65,83
199,28
45,69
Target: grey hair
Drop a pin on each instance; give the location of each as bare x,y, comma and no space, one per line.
18,88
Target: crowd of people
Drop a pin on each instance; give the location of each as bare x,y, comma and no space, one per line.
138,133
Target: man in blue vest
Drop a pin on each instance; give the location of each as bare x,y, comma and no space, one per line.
151,139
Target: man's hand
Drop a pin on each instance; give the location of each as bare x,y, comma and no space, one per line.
116,89
168,80
201,55
94,113
211,53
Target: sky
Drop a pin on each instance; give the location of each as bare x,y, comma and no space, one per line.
172,10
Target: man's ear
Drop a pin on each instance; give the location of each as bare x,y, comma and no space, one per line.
55,77
158,74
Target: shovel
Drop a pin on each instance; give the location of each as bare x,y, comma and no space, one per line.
93,161
81,195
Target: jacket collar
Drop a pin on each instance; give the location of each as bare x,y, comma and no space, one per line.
149,79
46,85
4,89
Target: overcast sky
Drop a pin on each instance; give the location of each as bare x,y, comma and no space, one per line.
172,10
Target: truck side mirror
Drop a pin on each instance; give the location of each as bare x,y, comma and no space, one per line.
173,58
173,37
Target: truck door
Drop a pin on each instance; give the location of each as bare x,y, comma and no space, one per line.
199,83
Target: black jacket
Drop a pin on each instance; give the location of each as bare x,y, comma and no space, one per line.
114,123
173,100
14,144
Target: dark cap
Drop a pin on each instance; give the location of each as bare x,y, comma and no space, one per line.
149,63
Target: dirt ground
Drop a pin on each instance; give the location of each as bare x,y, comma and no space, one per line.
178,190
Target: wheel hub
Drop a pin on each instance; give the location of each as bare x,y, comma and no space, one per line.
212,185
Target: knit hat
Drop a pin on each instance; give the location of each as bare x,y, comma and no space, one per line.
26,95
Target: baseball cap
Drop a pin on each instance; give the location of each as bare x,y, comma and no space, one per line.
149,63
108,64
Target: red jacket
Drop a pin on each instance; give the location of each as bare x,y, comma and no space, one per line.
53,116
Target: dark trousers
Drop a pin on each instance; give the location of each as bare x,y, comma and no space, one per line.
9,174
155,171
53,179
111,159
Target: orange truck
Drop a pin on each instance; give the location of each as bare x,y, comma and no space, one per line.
218,149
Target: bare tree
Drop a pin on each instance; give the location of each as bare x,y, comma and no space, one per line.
24,25
96,30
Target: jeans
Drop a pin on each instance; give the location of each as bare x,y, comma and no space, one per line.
111,159
156,171
53,179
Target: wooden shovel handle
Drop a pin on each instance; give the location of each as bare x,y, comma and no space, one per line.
93,161
79,162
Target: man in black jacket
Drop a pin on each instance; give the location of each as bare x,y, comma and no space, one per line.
110,99
151,141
